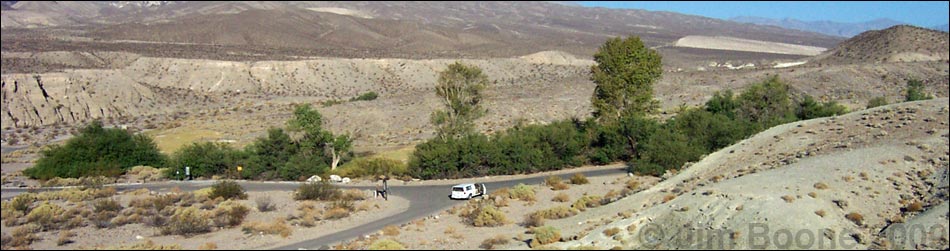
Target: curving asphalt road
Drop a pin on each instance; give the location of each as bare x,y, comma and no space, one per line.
424,200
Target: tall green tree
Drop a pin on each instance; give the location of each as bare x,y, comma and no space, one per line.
766,103
460,88
624,74
915,91
315,140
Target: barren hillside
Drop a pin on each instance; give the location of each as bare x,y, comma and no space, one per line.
853,181
901,43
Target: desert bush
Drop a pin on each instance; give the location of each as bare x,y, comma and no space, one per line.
146,245
489,216
187,221
536,218
229,214
110,205
579,179
21,202
876,102
264,204
821,186
205,159
561,197
855,217
227,190
522,192
386,244
278,227
208,246
365,96
23,236
336,213
64,238
589,201
46,215
308,214
391,230
915,91
915,206
545,235
492,242
351,195
317,191
145,173
555,183
611,231
808,108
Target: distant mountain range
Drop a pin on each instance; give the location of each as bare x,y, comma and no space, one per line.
823,27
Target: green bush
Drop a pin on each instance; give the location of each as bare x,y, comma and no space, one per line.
522,192
915,91
767,103
227,190
366,96
267,154
373,167
878,101
303,166
205,159
809,109
46,215
96,151
317,191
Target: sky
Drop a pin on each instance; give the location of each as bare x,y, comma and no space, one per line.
925,14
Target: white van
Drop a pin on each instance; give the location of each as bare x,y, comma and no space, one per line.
467,191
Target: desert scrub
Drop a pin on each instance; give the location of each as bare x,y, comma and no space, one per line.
228,190
146,245
611,231
821,186
589,201
278,226
386,244
208,246
110,205
46,215
187,221
264,204
391,230
522,192
537,218
555,183
229,214
561,197
64,238
308,214
489,216
23,236
915,206
579,179
317,191
855,217
545,235
492,242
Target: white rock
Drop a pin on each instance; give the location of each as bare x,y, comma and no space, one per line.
345,180
139,237
336,178
314,178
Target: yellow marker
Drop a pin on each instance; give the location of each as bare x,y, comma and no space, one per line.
239,168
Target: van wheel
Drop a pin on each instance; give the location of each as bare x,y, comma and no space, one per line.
470,196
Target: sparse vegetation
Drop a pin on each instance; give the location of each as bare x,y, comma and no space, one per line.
391,230
227,190
561,197
855,217
545,235
187,221
229,214
386,244
366,97
264,204
317,191
278,227
915,91
589,201
579,179
876,102
493,242
555,183
522,192
611,231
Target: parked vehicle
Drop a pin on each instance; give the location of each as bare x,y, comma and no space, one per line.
468,191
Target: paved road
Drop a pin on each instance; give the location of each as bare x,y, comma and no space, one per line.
424,201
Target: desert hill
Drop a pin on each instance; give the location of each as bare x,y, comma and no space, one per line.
851,181
901,43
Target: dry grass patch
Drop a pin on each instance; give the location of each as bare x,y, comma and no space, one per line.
915,206
545,235
788,198
589,201
147,245
278,226
187,221
632,184
555,183
821,213
579,179
813,194
65,237
668,198
537,218
265,204
208,246
386,244
821,186
391,230
229,214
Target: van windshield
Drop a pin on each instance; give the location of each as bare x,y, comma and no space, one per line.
457,189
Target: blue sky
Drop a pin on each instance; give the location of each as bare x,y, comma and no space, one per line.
926,14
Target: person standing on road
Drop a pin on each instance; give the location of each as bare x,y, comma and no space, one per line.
386,188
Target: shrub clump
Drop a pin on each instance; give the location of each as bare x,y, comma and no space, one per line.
278,226
579,179
490,243
227,190
96,151
589,201
522,192
187,221
489,216
545,235
322,190
229,214
537,218
264,204
561,197
46,215
386,244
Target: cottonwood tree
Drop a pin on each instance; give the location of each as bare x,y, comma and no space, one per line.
315,139
460,88
624,76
